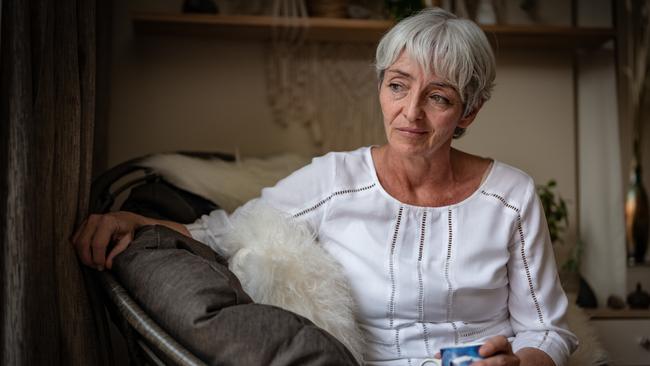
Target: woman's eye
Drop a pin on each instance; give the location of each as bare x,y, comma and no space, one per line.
439,99
396,88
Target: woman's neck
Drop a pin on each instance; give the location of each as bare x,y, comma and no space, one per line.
420,171
445,178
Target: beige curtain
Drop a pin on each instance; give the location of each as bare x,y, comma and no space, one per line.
602,227
47,113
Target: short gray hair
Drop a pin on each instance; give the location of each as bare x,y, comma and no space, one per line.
453,48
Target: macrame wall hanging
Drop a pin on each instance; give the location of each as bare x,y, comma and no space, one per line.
328,88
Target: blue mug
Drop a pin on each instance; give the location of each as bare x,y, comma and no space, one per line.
461,355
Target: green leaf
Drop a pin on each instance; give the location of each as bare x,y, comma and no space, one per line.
555,210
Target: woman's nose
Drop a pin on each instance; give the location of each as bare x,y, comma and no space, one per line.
412,109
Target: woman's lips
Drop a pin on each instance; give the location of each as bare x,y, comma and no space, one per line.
412,131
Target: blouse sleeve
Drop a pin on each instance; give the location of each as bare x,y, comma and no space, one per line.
537,302
296,195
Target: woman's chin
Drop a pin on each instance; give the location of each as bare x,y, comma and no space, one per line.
408,147
414,147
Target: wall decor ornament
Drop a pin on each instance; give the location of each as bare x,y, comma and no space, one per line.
637,220
330,89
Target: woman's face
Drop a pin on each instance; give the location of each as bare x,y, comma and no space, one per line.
421,111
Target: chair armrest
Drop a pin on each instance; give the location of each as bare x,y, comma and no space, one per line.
144,325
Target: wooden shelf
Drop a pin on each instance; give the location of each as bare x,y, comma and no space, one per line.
606,313
352,30
260,27
548,36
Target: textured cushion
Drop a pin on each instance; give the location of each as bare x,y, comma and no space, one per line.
161,200
189,291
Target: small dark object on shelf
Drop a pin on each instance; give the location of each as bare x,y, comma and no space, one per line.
358,12
586,297
327,9
615,302
638,299
200,6
400,9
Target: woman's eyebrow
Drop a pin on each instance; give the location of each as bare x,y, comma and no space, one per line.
433,84
440,84
400,72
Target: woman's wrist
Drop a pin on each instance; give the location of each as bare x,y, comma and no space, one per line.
178,227
138,221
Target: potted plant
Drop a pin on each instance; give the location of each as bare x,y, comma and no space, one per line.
557,218
555,209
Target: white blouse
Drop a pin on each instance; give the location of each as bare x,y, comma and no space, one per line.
429,277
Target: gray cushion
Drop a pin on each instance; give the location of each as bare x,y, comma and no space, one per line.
189,291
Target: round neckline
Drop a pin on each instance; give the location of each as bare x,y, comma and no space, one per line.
375,177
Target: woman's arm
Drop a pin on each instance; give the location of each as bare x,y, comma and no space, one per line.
536,302
301,190
97,232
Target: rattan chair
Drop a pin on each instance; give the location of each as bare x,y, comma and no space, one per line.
146,341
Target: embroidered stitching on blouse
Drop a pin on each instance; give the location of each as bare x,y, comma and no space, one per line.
326,199
422,227
391,270
477,331
522,252
456,337
543,339
450,289
528,275
505,203
421,283
420,293
397,346
420,280
427,346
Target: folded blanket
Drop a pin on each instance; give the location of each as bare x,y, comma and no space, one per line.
189,292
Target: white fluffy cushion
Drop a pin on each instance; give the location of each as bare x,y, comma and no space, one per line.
279,262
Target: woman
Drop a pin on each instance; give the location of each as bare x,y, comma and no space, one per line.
440,247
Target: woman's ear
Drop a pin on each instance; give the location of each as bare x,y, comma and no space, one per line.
468,119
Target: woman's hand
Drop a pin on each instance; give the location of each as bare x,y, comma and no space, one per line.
93,237
95,234
497,351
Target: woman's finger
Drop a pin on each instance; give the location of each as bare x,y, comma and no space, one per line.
103,236
84,239
499,360
495,345
122,244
